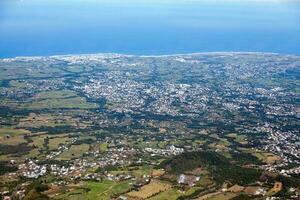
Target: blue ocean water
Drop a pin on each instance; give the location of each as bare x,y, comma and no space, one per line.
52,27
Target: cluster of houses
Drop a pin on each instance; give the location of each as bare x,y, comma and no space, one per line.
32,170
283,144
170,150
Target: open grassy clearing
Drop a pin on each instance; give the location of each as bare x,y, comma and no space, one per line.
171,193
9,103
140,143
39,120
39,140
14,140
54,142
205,181
218,145
75,151
238,138
191,190
96,190
4,131
33,154
103,147
74,102
197,143
12,136
268,158
59,94
9,157
76,68
51,100
18,84
141,171
149,190
265,157
138,171
223,196
25,70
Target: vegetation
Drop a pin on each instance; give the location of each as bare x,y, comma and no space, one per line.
94,190
219,167
34,191
75,151
7,167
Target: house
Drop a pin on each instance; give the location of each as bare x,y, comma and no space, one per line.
188,179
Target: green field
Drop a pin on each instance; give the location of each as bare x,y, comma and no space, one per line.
103,147
51,100
53,103
94,190
172,193
56,141
39,140
58,94
238,138
12,131
75,151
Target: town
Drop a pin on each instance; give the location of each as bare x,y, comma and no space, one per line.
110,126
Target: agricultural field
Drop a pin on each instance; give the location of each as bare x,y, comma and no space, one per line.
171,193
58,103
54,142
238,138
149,190
75,151
39,140
93,190
14,140
10,131
219,196
103,147
263,156
268,158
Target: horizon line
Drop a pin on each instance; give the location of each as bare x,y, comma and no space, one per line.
146,55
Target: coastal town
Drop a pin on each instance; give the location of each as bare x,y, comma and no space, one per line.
110,126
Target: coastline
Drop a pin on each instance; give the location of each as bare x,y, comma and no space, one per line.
109,55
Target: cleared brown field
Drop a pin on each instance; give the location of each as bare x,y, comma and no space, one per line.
251,190
153,188
276,188
158,173
236,188
209,195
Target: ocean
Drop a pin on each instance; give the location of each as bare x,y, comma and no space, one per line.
147,27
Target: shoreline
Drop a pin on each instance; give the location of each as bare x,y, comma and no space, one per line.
147,56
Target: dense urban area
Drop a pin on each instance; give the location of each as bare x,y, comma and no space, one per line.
209,126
